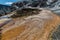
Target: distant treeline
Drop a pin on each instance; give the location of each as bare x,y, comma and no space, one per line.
5,9
34,3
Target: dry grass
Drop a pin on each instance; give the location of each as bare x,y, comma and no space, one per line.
36,27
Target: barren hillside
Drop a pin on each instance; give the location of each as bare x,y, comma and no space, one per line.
35,27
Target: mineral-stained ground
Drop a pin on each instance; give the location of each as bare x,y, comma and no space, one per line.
45,25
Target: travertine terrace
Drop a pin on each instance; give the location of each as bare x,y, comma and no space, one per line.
35,27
